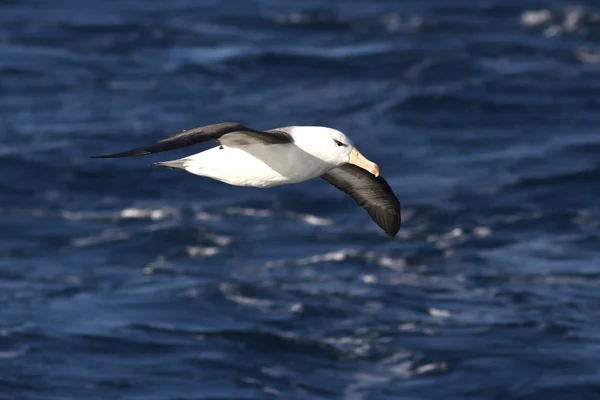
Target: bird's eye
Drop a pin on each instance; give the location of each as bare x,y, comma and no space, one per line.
339,143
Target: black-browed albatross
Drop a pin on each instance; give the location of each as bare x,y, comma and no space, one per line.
291,154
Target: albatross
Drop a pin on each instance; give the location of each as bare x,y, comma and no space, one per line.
280,156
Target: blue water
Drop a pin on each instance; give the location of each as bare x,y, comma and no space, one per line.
123,281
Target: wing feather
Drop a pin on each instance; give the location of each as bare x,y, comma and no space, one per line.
374,194
236,133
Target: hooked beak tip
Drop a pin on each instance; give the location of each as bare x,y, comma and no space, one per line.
375,170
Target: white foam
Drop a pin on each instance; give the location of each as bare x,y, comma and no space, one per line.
220,240
437,312
309,219
126,213
195,251
482,231
534,18
11,354
439,366
204,216
297,307
249,212
338,256
397,264
573,18
587,56
229,291
368,278
109,235
152,213
552,30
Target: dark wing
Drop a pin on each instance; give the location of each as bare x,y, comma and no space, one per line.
372,193
236,134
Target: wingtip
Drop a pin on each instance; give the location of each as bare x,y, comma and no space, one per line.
392,227
132,153
392,232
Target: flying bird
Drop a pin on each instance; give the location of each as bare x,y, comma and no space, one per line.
286,155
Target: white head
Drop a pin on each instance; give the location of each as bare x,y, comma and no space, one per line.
332,146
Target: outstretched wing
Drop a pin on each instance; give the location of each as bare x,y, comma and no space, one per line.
372,193
227,133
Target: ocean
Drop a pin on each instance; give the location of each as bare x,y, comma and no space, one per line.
119,280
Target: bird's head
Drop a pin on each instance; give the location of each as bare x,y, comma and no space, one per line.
332,146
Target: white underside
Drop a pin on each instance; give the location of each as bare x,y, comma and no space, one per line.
254,165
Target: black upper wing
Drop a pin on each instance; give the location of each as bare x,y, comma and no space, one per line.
204,134
372,193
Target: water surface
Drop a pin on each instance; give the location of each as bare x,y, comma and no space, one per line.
118,280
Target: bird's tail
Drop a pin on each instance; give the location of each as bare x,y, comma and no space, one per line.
175,164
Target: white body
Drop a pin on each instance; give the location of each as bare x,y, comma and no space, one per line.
250,166
251,163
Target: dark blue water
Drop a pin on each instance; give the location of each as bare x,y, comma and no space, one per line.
123,281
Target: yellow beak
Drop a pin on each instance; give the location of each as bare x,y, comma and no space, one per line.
361,161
